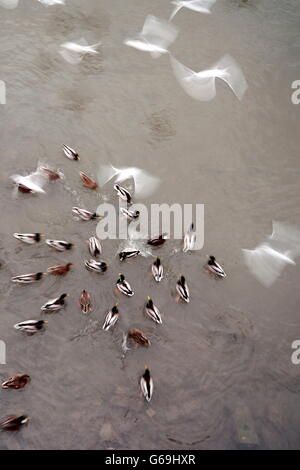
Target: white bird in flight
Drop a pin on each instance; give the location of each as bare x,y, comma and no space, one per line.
201,6
52,2
74,52
156,36
268,259
201,85
144,183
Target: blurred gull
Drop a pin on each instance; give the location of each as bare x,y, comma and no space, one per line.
155,37
201,6
268,259
9,4
52,2
144,183
74,52
201,86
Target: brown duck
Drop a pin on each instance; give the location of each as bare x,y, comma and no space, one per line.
139,337
87,181
17,381
59,269
85,302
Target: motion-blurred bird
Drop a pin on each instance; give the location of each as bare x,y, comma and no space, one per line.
201,6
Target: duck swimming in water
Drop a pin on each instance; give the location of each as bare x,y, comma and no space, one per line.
16,382
29,238
27,278
182,289
152,311
147,384
85,302
215,267
111,318
157,241
94,246
87,181
55,304
123,193
98,266
52,175
14,423
157,270
70,153
59,245
131,215
128,254
124,286
84,214
30,326
59,269
139,337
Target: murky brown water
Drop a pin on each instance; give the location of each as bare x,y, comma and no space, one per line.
221,365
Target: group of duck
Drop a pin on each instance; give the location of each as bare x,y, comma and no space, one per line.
29,185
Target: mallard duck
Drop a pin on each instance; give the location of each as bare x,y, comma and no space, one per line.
30,326
94,246
27,278
157,270
153,311
70,153
85,302
124,286
157,241
17,381
59,245
189,239
29,238
84,214
128,254
98,266
131,215
182,289
13,423
215,267
123,193
87,181
111,318
52,175
59,269
139,337
55,304
147,384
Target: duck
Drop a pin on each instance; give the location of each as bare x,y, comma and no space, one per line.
215,267
157,270
139,337
111,318
157,241
147,384
14,423
30,326
55,304
152,311
59,269
29,238
27,278
98,266
189,239
182,289
123,193
17,381
85,302
124,286
70,153
94,246
128,254
87,181
59,245
84,214
52,175
131,215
